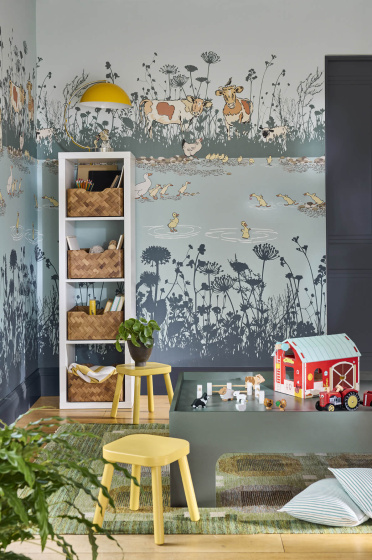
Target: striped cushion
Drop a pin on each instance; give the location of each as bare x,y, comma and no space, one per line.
357,483
327,503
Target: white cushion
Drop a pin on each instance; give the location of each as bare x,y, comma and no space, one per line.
327,503
357,483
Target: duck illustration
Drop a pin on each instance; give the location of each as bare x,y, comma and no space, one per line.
315,198
213,156
154,192
17,222
225,159
260,200
14,187
240,158
183,189
221,156
288,199
245,231
10,181
2,201
53,201
164,190
142,188
269,160
36,203
251,161
208,156
174,222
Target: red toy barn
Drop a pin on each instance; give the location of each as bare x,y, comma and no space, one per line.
305,366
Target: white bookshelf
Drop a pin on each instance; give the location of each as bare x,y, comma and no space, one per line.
68,162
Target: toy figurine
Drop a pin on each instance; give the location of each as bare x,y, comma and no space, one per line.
226,394
282,405
241,406
339,397
367,398
269,403
200,402
255,380
112,244
103,136
240,397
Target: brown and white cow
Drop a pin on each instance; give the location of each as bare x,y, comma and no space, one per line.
17,96
236,109
179,111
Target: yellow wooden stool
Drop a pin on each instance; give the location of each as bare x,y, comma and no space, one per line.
145,450
150,369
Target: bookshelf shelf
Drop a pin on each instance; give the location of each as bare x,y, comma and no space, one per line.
69,226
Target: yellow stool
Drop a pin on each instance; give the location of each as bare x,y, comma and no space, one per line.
145,450
150,369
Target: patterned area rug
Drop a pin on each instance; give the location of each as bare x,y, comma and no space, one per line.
250,490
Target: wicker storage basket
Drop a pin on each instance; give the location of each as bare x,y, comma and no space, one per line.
103,326
82,264
79,390
82,203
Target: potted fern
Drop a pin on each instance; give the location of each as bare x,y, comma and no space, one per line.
30,476
138,333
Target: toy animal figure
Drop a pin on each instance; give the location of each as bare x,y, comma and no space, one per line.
256,380
269,403
103,136
200,402
281,404
226,394
240,397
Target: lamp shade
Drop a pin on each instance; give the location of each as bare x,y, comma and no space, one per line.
106,96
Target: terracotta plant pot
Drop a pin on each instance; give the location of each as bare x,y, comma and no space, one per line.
140,354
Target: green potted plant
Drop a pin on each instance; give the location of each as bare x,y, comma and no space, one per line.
138,333
29,478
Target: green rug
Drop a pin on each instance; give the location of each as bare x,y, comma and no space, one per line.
250,490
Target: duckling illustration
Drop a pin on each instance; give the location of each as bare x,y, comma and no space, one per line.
225,159
269,403
33,232
251,161
315,198
53,201
245,231
154,192
17,223
269,160
36,203
174,222
260,200
240,159
164,190
14,187
212,157
183,189
288,199
221,156
208,156
2,201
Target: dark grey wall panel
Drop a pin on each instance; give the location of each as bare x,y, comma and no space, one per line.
349,199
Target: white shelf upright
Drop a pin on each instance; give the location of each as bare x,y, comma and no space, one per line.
68,162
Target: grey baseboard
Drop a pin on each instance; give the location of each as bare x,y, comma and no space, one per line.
21,398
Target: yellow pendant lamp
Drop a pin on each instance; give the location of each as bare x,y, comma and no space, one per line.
101,94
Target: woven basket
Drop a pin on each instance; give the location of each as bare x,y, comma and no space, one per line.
79,390
82,203
103,326
82,264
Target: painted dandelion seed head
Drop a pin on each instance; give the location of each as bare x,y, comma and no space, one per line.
266,252
191,68
223,284
179,80
210,57
155,255
238,266
149,279
169,69
211,268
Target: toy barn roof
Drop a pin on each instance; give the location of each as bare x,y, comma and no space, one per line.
326,347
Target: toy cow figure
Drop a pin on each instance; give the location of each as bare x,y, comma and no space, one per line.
255,380
200,402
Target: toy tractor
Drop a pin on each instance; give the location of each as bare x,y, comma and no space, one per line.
339,397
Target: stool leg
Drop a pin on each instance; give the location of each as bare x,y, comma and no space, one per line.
136,405
135,490
168,384
99,514
189,489
115,402
157,499
150,393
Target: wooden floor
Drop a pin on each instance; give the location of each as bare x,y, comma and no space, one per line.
195,547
